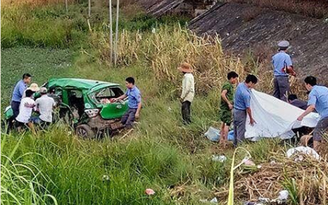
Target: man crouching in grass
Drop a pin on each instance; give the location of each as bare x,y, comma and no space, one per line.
226,106
134,103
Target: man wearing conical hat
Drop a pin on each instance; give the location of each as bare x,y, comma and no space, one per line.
188,91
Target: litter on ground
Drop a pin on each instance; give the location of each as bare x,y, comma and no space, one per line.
213,134
220,158
149,192
304,150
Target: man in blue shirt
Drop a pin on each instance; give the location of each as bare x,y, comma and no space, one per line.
18,93
283,66
318,100
134,103
242,108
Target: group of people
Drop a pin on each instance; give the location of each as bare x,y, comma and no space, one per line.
235,105
28,99
24,101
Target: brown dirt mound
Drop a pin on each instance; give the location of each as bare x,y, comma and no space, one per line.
244,27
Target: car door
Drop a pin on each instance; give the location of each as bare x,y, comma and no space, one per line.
110,109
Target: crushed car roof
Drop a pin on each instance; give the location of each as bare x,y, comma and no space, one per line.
84,84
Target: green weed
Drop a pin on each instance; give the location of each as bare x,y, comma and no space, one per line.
21,177
41,63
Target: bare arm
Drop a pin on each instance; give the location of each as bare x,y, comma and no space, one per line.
121,97
224,97
29,105
306,112
138,110
249,112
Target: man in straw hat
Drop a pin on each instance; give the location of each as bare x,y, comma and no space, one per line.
318,100
188,91
34,87
283,67
18,93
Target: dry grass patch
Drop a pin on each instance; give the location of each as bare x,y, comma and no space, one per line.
305,181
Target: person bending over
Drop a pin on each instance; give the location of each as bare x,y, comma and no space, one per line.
318,100
242,107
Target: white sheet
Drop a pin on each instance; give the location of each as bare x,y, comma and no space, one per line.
275,118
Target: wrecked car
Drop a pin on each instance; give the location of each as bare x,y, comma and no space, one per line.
87,105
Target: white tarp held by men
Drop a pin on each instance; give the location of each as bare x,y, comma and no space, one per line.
275,118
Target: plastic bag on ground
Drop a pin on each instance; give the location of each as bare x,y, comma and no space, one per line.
213,134
304,150
220,158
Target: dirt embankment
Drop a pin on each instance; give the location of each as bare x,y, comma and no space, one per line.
243,27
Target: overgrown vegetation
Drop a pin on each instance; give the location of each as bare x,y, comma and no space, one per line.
44,27
51,26
161,153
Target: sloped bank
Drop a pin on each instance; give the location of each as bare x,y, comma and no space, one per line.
243,27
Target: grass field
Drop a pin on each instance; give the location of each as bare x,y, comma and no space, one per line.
57,167
42,63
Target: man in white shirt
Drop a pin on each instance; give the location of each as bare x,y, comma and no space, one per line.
25,111
45,105
188,91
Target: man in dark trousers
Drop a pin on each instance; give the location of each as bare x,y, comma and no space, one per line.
293,100
242,108
18,93
283,66
134,103
188,91
318,100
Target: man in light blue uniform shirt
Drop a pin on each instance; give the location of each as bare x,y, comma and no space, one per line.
318,100
134,103
242,108
283,66
18,93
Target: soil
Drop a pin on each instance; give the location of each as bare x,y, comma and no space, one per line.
244,27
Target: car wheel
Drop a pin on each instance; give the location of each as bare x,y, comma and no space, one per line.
85,131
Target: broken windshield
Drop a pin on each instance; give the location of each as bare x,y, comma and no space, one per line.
104,96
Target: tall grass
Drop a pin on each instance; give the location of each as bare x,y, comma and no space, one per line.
165,48
34,3
43,27
21,177
161,153
106,172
